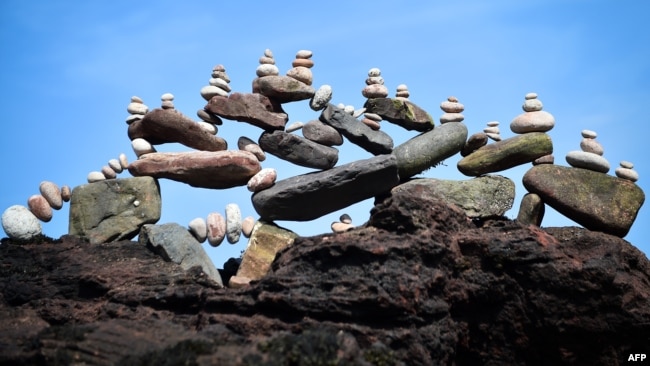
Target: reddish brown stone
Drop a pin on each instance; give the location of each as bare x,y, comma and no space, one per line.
283,88
161,126
255,109
205,169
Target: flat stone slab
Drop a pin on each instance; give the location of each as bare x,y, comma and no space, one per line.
298,150
310,196
506,154
481,197
595,200
174,243
283,89
168,125
375,142
400,112
255,109
114,209
203,169
430,148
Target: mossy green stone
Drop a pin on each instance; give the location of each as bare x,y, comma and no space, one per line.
506,154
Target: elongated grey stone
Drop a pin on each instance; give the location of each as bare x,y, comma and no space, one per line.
298,150
375,142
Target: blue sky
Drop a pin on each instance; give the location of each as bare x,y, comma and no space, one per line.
69,69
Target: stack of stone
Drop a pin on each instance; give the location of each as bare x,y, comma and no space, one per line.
137,109
344,224
218,84
492,131
215,228
109,171
591,156
453,111
301,69
626,171
374,85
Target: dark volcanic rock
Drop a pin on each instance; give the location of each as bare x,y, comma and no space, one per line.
375,142
299,150
420,285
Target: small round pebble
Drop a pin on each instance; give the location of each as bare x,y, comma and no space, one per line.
199,229
124,162
304,54
345,218
52,194
210,127
589,134
626,164
95,177
141,146
19,223
341,227
39,207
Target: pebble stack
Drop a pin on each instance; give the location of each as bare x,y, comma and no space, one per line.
167,101
215,228
534,119
137,109
492,131
345,224
267,65
625,171
301,69
375,85
372,120
453,110
402,92
590,157
218,84
116,166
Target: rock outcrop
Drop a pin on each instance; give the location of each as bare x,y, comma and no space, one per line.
419,285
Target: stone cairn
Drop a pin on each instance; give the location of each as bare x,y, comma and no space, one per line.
331,187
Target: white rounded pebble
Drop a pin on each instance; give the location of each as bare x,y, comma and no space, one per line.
341,227
532,105
349,109
374,72
627,173
494,136
531,96
268,53
209,91
491,129
220,83
52,193
136,203
267,70
304,54
95,177
358,112
137,108
263,179
133,117
493,123
124,162
39,207
136,99
115,165
208,127
591,146
626,164
247,226
585,160
373,116
19,223
452,107
320,99
216,228
294,127
167,97
199,229
589,134
108,172
233,223
66,193
246,144
141,146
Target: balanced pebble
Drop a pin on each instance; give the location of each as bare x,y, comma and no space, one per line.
247,226
294,127
452,110
534,119
340,227
167,101
246,144
20,223
263,179
625,171
141,146
546,159
321,98
402,92
124,162
216,228
358,112
210,91
349,109
374,85
589,134
115,165
233,223
108,172
39,207
211,128
219,71
346,219
208,117
52,194
66,193
199,229
95,177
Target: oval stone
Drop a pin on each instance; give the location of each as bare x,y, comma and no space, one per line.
216,226
108,172
124,162
66,193
115,165
199,229
51,192
540,121
233,223
95,177
264,179
39,207
141,147
20,223
585,160
247,226
320,99
209,91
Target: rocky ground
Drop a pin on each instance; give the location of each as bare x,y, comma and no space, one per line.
419,284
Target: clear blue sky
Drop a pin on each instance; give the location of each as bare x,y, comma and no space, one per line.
69,69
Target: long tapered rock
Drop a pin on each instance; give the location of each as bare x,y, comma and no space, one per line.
256,109
400,112
283,88
429,148
204,169
310,196
114,209
595,200
299,150
506,154
168,125
375,142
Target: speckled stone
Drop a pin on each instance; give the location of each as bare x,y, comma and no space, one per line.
39,207
247,226
216,226
233,223
321,98
52,194
264,179
20,223
95,177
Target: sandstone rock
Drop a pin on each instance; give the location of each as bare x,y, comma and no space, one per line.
474,142
531,210
401,112
430,148
264,179
114,209
246,144
199,229
39,207
20,223
322,134
161,126
233,223
265,242
594,200
375,142
298,150
309,196
480,197
52,193
216,224
255,109
506,154
175,244
283,89
203,169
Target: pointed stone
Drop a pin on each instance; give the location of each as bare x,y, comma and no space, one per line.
401,112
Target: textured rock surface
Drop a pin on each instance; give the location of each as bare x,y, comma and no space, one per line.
531,210
204,169
20,223
309,196
168,125
506,154
283,88
266,240
430,148
175,243
597,201
321,133
422,286
400,112
480,197
299,150
255,109
114,209
375,142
